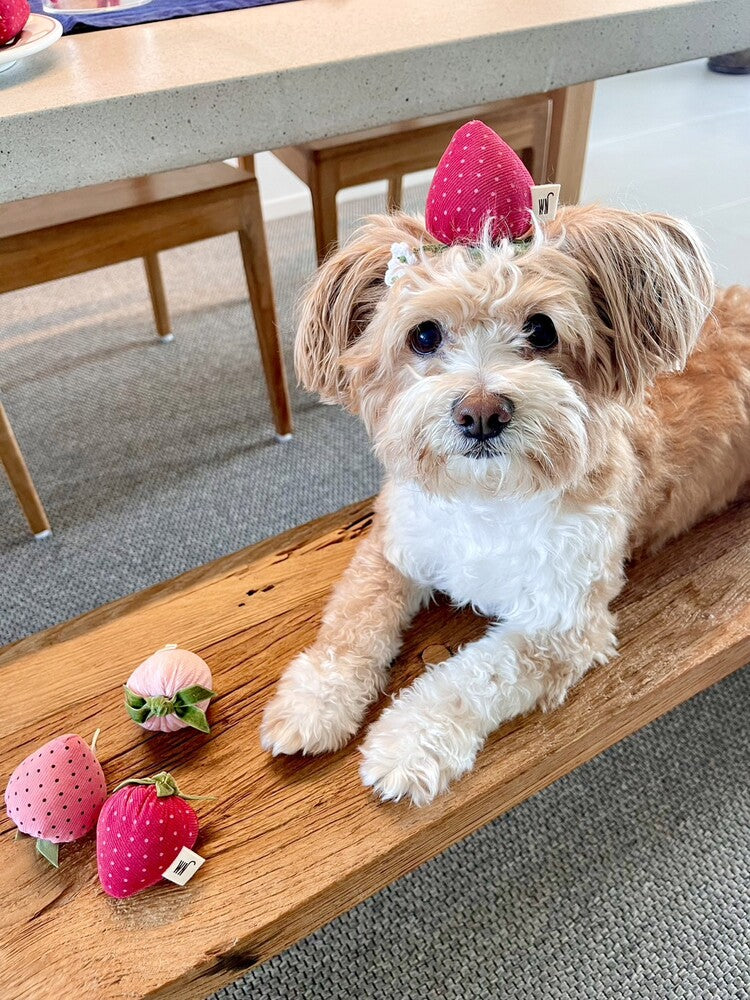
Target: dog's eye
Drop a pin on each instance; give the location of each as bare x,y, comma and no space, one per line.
426,338
540,332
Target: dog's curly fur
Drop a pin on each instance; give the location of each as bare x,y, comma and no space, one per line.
629,430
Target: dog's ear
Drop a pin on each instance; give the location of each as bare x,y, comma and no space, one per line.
650,283
340,301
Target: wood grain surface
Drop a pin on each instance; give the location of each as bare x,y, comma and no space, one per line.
292,843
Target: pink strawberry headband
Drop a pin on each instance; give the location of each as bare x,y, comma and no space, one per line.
481,188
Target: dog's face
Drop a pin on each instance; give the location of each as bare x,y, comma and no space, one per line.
498,370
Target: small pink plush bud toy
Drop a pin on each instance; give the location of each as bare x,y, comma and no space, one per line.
170,690
56,794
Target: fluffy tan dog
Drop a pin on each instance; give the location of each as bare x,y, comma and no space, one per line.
542,411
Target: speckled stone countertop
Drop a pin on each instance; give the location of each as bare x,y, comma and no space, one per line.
131,101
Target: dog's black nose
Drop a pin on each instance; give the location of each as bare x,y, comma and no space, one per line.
483,415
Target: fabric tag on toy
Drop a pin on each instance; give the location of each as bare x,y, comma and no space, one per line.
184,866
544,201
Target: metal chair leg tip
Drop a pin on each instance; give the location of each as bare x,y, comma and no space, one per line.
167,338
284,437
43,534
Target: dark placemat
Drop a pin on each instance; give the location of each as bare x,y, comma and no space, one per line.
157,10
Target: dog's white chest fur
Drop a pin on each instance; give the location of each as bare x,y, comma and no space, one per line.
526,562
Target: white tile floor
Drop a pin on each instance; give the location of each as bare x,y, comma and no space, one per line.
677,140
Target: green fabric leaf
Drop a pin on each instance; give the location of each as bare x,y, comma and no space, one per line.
194,694
165,785
138,714
49,851
134,700
163,781
194,717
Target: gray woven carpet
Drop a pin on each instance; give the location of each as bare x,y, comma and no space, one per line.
152,458
628,879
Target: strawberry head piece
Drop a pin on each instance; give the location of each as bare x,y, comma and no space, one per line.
481,190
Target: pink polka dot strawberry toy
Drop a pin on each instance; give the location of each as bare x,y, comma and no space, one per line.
56,793
13,16
142,828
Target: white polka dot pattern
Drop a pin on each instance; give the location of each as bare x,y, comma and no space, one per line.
130,814
501,192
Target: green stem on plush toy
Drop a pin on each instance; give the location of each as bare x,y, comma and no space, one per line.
184,705
165,785
160,705
49,851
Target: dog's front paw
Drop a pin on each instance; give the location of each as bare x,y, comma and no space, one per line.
414,752
314,710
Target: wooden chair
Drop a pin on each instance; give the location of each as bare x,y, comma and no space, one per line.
549,132
54,236
20,479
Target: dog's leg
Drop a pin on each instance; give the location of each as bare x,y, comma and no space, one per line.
432,732
325,691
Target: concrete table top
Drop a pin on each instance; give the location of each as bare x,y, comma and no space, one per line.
130,101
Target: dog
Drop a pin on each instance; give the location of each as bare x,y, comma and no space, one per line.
543,412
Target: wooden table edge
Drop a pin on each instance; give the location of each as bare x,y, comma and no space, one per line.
198,575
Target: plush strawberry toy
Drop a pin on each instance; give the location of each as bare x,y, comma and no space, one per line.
479,178
13,16
56,794
142,828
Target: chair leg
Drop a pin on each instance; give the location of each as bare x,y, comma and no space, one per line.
158,296
325,217
395,190
20,480
252,238
569,132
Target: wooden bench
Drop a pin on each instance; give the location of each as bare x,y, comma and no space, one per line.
292,843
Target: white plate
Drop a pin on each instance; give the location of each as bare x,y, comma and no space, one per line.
40,32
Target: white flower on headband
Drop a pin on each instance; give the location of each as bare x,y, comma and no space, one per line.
402,257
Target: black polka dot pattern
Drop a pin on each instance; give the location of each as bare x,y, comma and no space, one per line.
50,806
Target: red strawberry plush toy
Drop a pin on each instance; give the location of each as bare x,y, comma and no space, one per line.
479,179
13,16
56,793
142,828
